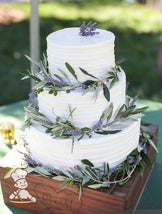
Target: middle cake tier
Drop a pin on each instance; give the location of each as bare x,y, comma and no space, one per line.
87,110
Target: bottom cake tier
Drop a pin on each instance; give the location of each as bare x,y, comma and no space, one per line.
57,153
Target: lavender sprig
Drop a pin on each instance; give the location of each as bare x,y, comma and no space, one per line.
89,29
55,82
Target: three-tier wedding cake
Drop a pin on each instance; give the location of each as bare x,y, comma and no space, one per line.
82,98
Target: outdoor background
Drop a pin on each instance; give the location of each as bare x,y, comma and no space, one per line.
137,29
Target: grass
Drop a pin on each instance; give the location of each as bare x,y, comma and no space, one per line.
137,29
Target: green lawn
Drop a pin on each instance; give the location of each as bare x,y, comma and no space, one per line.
137,31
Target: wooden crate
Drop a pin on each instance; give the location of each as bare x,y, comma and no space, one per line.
49,200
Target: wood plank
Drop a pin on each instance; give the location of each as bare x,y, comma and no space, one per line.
50,200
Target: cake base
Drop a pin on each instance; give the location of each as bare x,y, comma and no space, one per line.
50,200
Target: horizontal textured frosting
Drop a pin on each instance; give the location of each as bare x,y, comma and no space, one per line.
92,53
112,149
88,111
95,54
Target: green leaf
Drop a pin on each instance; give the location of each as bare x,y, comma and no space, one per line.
30,59
85,180
97,93
111,73
120,183
86,73
134,152
141,167
92,173
87,162
71,183
85,91
64,74
106,92
112,83
7,175
48,130
106,170
77,189
55,93
85,129
58,77
146,159
65,172
29,169
153,145
104,132
41,170
39,84
80,137
128,111
72,147
120,110
140,110
50,92
71,111
71,70
95,186
34,78
80,191
111,189
89,82
59,178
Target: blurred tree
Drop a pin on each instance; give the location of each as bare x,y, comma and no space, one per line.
155,4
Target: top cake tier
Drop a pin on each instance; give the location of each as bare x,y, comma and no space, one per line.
95,53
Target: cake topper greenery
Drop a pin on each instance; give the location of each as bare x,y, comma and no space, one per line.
89,29
61,82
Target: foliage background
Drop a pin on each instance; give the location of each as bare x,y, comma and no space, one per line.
137,29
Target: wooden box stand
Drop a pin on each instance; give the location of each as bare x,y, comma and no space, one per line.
48,200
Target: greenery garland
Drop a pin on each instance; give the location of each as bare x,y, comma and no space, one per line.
87,175
43,79
63,128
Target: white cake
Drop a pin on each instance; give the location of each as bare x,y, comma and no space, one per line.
95,54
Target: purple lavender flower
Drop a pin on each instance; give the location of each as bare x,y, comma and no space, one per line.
98,125
30,161
131,159
84,86
32,99
56,171
144,148
89,29
56,82
74,132
118,62
49,79
107,79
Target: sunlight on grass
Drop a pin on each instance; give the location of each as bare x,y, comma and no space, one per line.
136,16
122,15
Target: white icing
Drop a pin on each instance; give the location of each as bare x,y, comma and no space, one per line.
112,149
96,55
92,53
87,111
